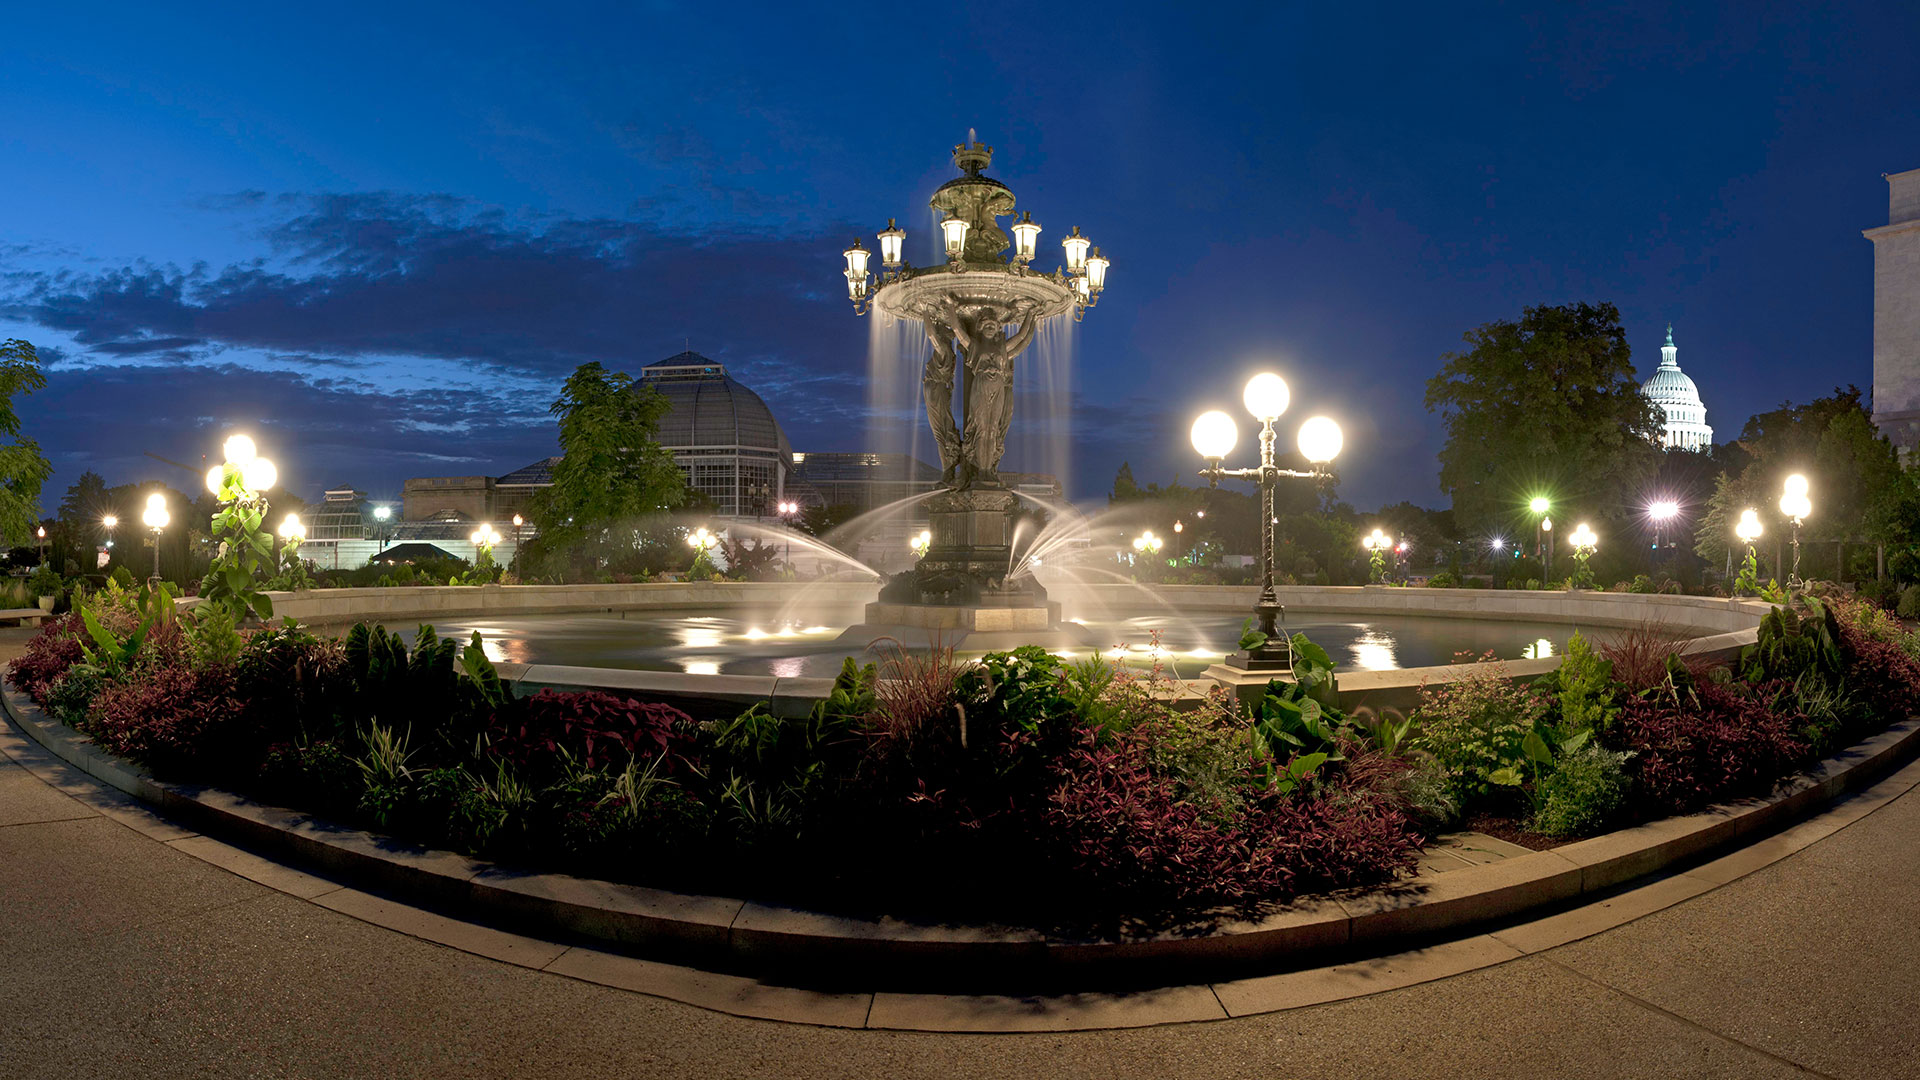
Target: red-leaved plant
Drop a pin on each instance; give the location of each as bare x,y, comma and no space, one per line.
166,715
597,730
1707,742
48,655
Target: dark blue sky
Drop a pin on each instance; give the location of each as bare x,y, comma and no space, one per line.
379,236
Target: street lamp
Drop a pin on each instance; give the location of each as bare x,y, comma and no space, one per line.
43,545
1147,543
110,523
1214,434
1377,544
244,474
1660,513
156,517
1795,506
1542,546
380,516
1584,544
787,510
1748,530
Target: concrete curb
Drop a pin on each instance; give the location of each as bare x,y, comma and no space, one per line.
736,935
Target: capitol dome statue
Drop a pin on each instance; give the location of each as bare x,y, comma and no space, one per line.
1684,418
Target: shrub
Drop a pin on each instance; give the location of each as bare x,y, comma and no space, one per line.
162,715
1639,655
47,656
1697,742
1909,607
69,696
44,581
595,730
1013,691
319,775
1475,727
1586,791
1445,579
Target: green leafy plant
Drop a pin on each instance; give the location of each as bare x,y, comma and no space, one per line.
44,581
112,655
1789,645
1586,792
1018,690
1748,581
213,636
1251,637
1586,688
243,551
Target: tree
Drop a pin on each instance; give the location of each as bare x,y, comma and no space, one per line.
613,471
23,468
1548,404
1124,487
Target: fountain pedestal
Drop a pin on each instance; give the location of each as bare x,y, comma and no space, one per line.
960,594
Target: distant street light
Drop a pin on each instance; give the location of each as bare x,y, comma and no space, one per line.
381,514
1538,507
1748,530
156,518
1377,544
1584,544
787,511
43,545
1661,512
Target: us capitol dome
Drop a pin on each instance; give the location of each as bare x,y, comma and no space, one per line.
1684,423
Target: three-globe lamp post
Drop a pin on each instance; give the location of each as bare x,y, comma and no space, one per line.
788,510
1584,542
1377,544
156,517
1214,435
1748,530
920,542
1796,508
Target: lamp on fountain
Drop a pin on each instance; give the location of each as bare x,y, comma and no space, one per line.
1795,507
1214,435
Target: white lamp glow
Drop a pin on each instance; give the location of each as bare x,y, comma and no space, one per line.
1796,484
1076,246
1320,440
1097,270
954,232
239,449
1214,434
1266,396
1748,530
216,478
892,239
259,474
1026,238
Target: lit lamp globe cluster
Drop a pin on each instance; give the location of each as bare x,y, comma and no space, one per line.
1147,543
485,537
920,542
244,474
700,540
1214,435
1748,529
292,529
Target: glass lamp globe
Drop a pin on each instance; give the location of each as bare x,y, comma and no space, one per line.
1537,504
1320,440
1076,248
1026,237
1097,270
1749,528
892,239
1796,484
954,231
239,450
216,478
259,474
291,527
1266,396
382,513
856,257
1214,434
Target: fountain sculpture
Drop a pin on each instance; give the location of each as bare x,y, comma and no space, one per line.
980,312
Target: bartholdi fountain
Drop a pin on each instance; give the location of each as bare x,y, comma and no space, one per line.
980,312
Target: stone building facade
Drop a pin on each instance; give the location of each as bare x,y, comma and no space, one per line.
1896,313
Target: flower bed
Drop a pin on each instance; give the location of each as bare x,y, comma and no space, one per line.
1017,788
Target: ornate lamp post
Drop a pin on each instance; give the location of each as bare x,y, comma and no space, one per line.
156,517
42,534
1214,435
1748,530
986,286
1795,507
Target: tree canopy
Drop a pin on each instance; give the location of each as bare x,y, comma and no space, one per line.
23,468
613,471
1546,405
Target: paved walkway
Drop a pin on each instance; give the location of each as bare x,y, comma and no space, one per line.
122,956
